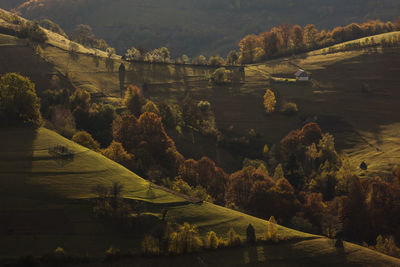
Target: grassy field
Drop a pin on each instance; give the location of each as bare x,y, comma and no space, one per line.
44,203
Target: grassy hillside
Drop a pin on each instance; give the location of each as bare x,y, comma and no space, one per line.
352,95
199,26
39,190
44,204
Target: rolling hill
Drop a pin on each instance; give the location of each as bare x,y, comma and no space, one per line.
45,203
198,26
353,95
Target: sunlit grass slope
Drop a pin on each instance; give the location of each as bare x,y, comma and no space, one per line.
26,159
44,199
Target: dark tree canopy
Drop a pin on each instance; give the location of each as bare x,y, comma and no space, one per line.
19,104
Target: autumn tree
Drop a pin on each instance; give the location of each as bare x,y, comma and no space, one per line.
83,34
285,30
397,23
126,131
314,208
310,35
185,240
296,35
213,178
233,238
213,241
247,48
150,106
338,34
133,54
271,42
133,99
80,98
153,134
99,124
116,152
278,173
80,102
19,103
165,54
310,133
246,183
200,60
352,31
85,139
206,174
269,101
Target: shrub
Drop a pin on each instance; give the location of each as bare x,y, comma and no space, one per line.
289,108
269,101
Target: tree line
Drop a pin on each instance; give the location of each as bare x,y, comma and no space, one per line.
290,39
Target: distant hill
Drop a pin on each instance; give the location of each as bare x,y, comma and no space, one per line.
198,27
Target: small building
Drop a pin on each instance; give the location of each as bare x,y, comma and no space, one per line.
301,75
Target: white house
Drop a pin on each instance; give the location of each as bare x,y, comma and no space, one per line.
301,75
